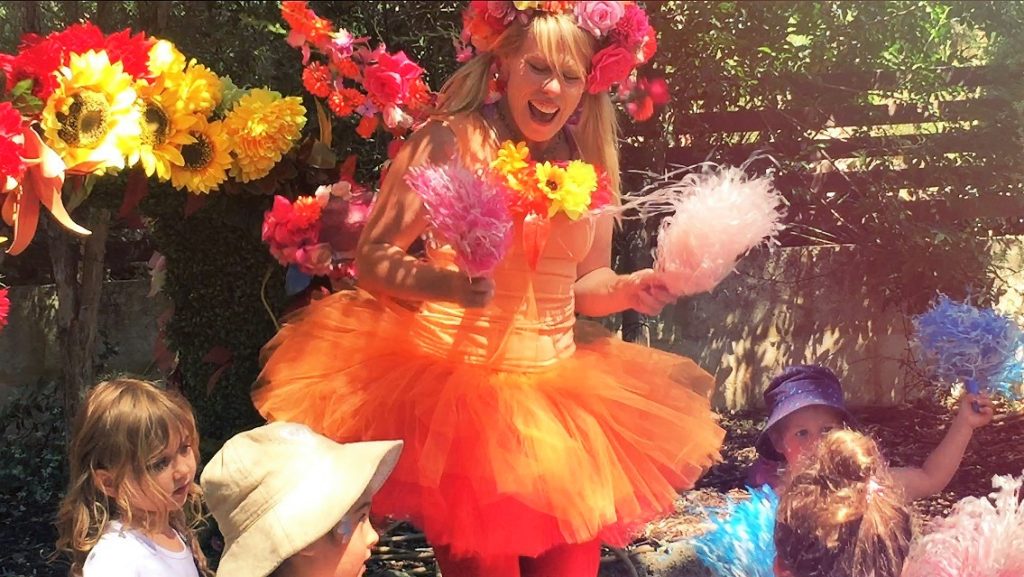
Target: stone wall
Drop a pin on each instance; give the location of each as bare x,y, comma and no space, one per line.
28,344
809,305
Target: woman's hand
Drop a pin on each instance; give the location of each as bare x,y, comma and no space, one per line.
472,293
646,293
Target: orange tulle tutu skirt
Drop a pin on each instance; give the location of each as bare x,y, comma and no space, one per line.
498,462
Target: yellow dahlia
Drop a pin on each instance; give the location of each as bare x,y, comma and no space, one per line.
164,130
91,120
512,157
198,91
511,162
165,60
263,126
578,188
206,160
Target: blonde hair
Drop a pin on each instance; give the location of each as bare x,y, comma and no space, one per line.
122,426
597,134
841,514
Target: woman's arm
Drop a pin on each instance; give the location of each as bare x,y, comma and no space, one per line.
600,291
398,219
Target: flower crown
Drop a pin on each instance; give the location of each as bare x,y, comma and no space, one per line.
627,39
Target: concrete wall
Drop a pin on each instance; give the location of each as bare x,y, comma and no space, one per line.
28,344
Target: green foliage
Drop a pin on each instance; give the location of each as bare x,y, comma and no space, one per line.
215,270
816,60
33,475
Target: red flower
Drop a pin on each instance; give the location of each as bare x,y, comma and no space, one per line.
7,67
131,51
649,45
611,65
12,162
641,109
603,196
5,307
287,227
39,58
632,27
347,68
367,126
343,102
419,96
480,26
317,80
304,22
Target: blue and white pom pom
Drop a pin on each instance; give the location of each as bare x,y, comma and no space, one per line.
981,348
742,541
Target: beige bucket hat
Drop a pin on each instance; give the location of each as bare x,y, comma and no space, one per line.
278,488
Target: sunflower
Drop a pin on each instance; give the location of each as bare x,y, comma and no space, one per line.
164,131
91,119
263,126
206,160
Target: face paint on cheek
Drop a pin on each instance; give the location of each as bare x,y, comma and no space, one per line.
346,528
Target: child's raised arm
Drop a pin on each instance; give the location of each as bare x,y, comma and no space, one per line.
940,466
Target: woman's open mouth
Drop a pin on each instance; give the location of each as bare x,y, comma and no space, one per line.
542,113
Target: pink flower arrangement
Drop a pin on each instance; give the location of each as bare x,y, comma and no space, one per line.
626,37
318,233
374,85
467,212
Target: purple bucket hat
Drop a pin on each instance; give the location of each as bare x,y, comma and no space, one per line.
796,387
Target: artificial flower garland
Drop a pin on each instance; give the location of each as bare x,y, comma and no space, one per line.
544,189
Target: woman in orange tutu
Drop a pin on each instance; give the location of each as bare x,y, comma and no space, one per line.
530,436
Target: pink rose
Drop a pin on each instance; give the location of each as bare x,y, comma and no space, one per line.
385,85
390,78
611,65
598,17
631,29
501,11
314,260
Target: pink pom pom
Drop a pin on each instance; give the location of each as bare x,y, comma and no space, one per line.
716,217
980,538
467,212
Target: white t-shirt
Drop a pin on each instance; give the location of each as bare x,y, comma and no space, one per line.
124,552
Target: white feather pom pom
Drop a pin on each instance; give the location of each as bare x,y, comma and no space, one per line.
980,538
716,216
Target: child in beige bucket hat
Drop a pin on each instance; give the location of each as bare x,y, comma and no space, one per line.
293,503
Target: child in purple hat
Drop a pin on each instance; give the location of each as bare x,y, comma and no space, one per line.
806,402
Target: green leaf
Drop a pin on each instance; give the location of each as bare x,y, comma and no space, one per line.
22,87
321,156
798,40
